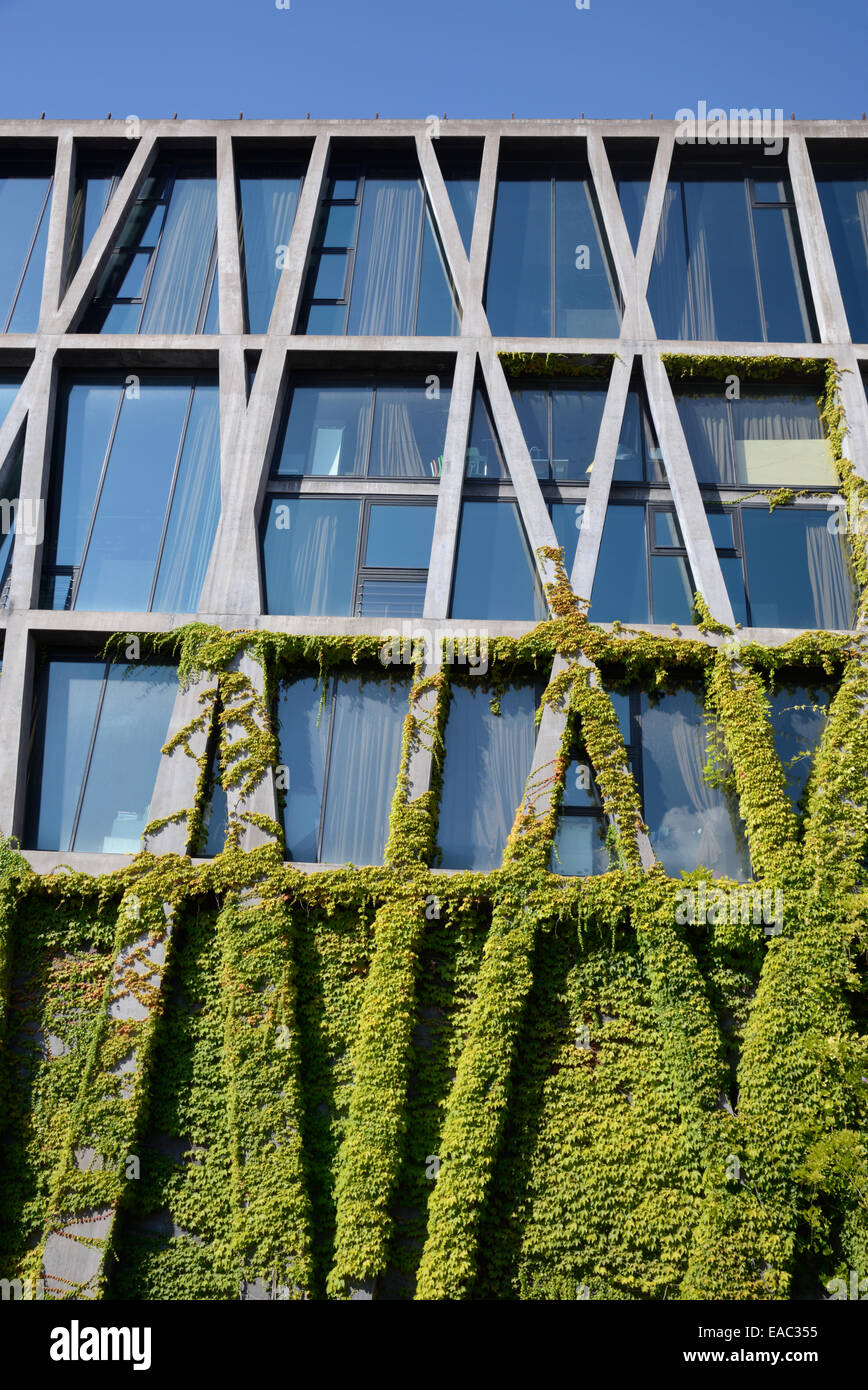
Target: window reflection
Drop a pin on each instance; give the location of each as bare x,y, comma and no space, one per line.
550,274
495,574
99,730
268,192
765,437
488,761
728,263
798,718
377,265
690,823
134,505
843,191
25,200
343,763
162,269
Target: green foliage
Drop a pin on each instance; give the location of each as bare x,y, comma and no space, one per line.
504,1085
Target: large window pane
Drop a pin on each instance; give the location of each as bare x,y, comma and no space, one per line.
576,419
799,573
844,196
580,847
388,279
24,209
363,769
133,725
9,384
586,299
134,507
268,199
519,294
760,439
488,760
99,736
535,291
621,578
727,268
495,574
159,276
343,762
309,553
327,431
672,589
690,823
409,432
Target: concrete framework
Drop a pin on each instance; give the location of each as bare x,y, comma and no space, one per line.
232,592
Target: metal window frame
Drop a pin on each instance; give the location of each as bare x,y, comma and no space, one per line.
323,379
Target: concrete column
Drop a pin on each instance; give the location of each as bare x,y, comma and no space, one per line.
16,706
58,227
600,482
636,321
228,251
828,304
445,541
475,320
701,554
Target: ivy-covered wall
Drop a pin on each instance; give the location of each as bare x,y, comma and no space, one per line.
449,1086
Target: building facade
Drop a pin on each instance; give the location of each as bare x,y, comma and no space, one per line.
296,419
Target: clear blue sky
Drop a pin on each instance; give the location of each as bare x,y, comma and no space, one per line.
403,58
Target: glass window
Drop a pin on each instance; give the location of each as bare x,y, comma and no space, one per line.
550,273
488,761
580,841
377,266
844,197
690,823
337,556
763,438
484,457
798,718
799,573
98,736
267,201
9,384
134,508
343,762
638,457
642,559
632,163
561,426
160,275
728,265
460,163
495,574
386,429
621,578
24,213
96,178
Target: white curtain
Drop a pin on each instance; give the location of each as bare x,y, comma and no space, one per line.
178,282
363,770
828,576
195,510
393,211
